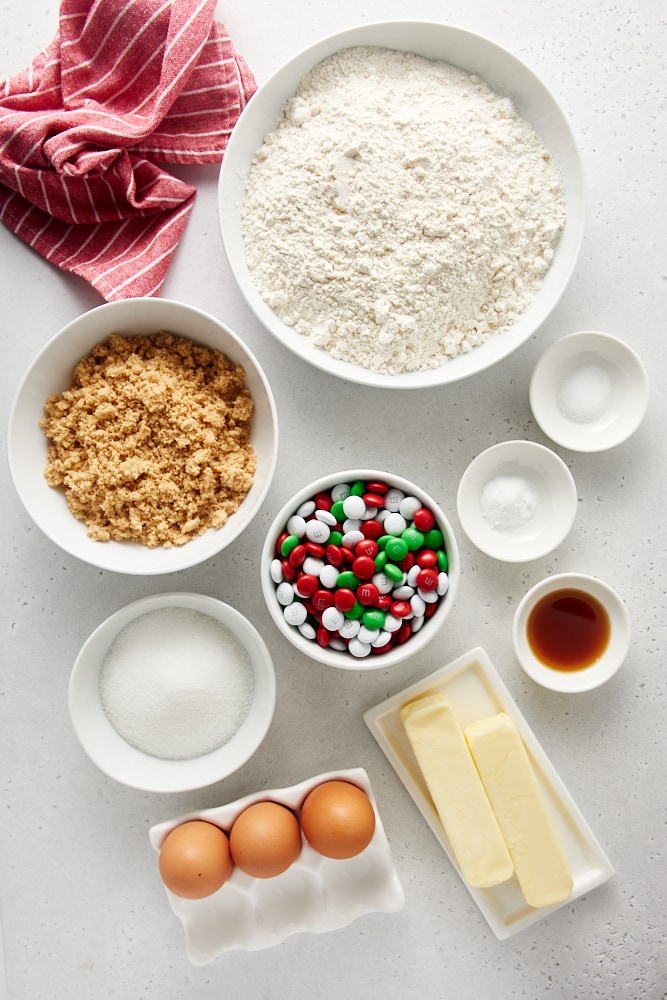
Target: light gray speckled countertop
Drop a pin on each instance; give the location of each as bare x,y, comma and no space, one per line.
84,913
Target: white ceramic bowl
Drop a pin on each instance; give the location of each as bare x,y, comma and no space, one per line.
508,76
517,501
589,391
342,658
115,757
586,678
51,372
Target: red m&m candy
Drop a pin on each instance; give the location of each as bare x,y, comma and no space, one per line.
344,599
367,594
427,579
322,599
306,585
423,519
363,567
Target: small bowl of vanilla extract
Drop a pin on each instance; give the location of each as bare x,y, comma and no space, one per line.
571,632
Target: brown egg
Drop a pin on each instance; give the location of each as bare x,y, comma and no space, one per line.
338,819
265,839
195,860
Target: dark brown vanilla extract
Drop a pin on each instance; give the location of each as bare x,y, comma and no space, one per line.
568,629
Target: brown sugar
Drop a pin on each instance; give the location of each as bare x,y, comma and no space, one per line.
151,442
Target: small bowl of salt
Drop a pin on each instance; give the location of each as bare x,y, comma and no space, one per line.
172,692
517,501
589,391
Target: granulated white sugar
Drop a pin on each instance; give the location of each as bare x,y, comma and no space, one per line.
176,683
585,394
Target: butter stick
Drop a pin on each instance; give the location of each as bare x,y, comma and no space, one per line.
517,801
457,792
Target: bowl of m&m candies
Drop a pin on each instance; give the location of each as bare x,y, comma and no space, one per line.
360,569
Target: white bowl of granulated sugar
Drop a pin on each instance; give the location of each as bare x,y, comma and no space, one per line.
172,692
402,204
589,391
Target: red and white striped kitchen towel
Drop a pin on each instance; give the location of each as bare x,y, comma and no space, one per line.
124,85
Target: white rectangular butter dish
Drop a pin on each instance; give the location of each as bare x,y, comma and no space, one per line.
475,690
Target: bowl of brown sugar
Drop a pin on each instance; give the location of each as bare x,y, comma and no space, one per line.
143,437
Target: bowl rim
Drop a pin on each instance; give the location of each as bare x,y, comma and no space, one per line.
517,550
135,769
337,658
132,558
577,437
390,34
588,678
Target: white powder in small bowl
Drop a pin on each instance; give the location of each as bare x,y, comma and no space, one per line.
584,395
508,502
176,683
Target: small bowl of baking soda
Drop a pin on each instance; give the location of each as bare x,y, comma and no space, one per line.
517,501
589,391
172,692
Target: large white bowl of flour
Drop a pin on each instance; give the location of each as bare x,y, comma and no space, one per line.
323,253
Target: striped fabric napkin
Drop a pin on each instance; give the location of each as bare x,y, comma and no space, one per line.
124,86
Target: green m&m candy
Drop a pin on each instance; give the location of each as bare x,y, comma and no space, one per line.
348,580
413,538
374,618
396,549
433,539
356,611
338,512
288,545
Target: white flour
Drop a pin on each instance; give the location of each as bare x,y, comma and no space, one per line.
400,212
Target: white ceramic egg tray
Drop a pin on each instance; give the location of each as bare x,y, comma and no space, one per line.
316,894
474,689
